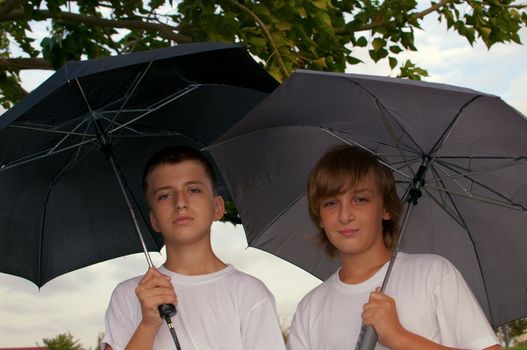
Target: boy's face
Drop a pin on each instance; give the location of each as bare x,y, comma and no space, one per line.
182,202
352,220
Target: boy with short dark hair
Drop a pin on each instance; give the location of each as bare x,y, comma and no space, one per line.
427,304
218,307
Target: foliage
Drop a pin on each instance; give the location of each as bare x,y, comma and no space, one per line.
285,35
63,341
66,341
517,328
100,336
231,213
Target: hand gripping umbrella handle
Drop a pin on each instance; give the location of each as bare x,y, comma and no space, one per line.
368,336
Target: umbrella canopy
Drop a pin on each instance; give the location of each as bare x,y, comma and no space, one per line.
62,207
471,149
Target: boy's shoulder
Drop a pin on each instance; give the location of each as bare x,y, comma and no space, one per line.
126,288
430,269
320,292
246,283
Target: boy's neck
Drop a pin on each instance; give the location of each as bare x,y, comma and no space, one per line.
198,260
360,267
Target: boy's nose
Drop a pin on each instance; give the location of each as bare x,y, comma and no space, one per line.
181,202
345,214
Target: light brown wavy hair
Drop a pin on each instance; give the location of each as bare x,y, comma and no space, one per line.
342,168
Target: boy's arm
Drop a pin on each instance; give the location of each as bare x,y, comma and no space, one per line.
297,338
153,290
381,313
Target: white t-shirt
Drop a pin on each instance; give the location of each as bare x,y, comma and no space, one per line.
432,300
227,309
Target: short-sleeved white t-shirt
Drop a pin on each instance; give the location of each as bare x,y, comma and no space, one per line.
432,300
227,309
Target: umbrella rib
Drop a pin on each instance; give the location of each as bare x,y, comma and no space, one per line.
51,131
508,202
83,95
463,224
513,162
455,214
351,142
53,150
390,130
450,128
112,122
40,155
378,103
41,236
131,90
277,217
482,199
174,97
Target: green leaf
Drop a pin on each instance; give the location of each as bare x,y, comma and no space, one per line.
378,44
362,42
321,62
321,4
283,26
258,42
393,62
302,12
353,60
395,49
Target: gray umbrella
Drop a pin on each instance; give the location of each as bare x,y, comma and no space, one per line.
464,152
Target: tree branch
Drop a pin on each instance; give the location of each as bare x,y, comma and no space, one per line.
267,34
8,5
24,63
164,30
383,23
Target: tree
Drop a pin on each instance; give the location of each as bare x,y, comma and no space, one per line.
63,341
285,35
517,328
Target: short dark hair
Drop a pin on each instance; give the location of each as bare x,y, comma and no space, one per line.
178,154
341,168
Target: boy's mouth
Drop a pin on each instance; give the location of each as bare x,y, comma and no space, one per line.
348,232
182,220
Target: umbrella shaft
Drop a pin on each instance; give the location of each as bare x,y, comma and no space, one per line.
129,205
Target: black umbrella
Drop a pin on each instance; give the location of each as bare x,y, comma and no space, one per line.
61,148
459,155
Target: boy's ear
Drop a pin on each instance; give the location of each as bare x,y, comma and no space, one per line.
153,222
219,207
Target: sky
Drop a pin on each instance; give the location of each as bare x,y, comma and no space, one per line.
76,301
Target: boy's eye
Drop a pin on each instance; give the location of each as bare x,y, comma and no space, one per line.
361,200
329,203
194,190
163,196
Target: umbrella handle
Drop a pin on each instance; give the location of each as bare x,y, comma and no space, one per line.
166,311
367,338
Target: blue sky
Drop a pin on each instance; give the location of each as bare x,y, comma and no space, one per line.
76,301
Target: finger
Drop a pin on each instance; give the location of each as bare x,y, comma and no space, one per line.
156,281
151,272
154,301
